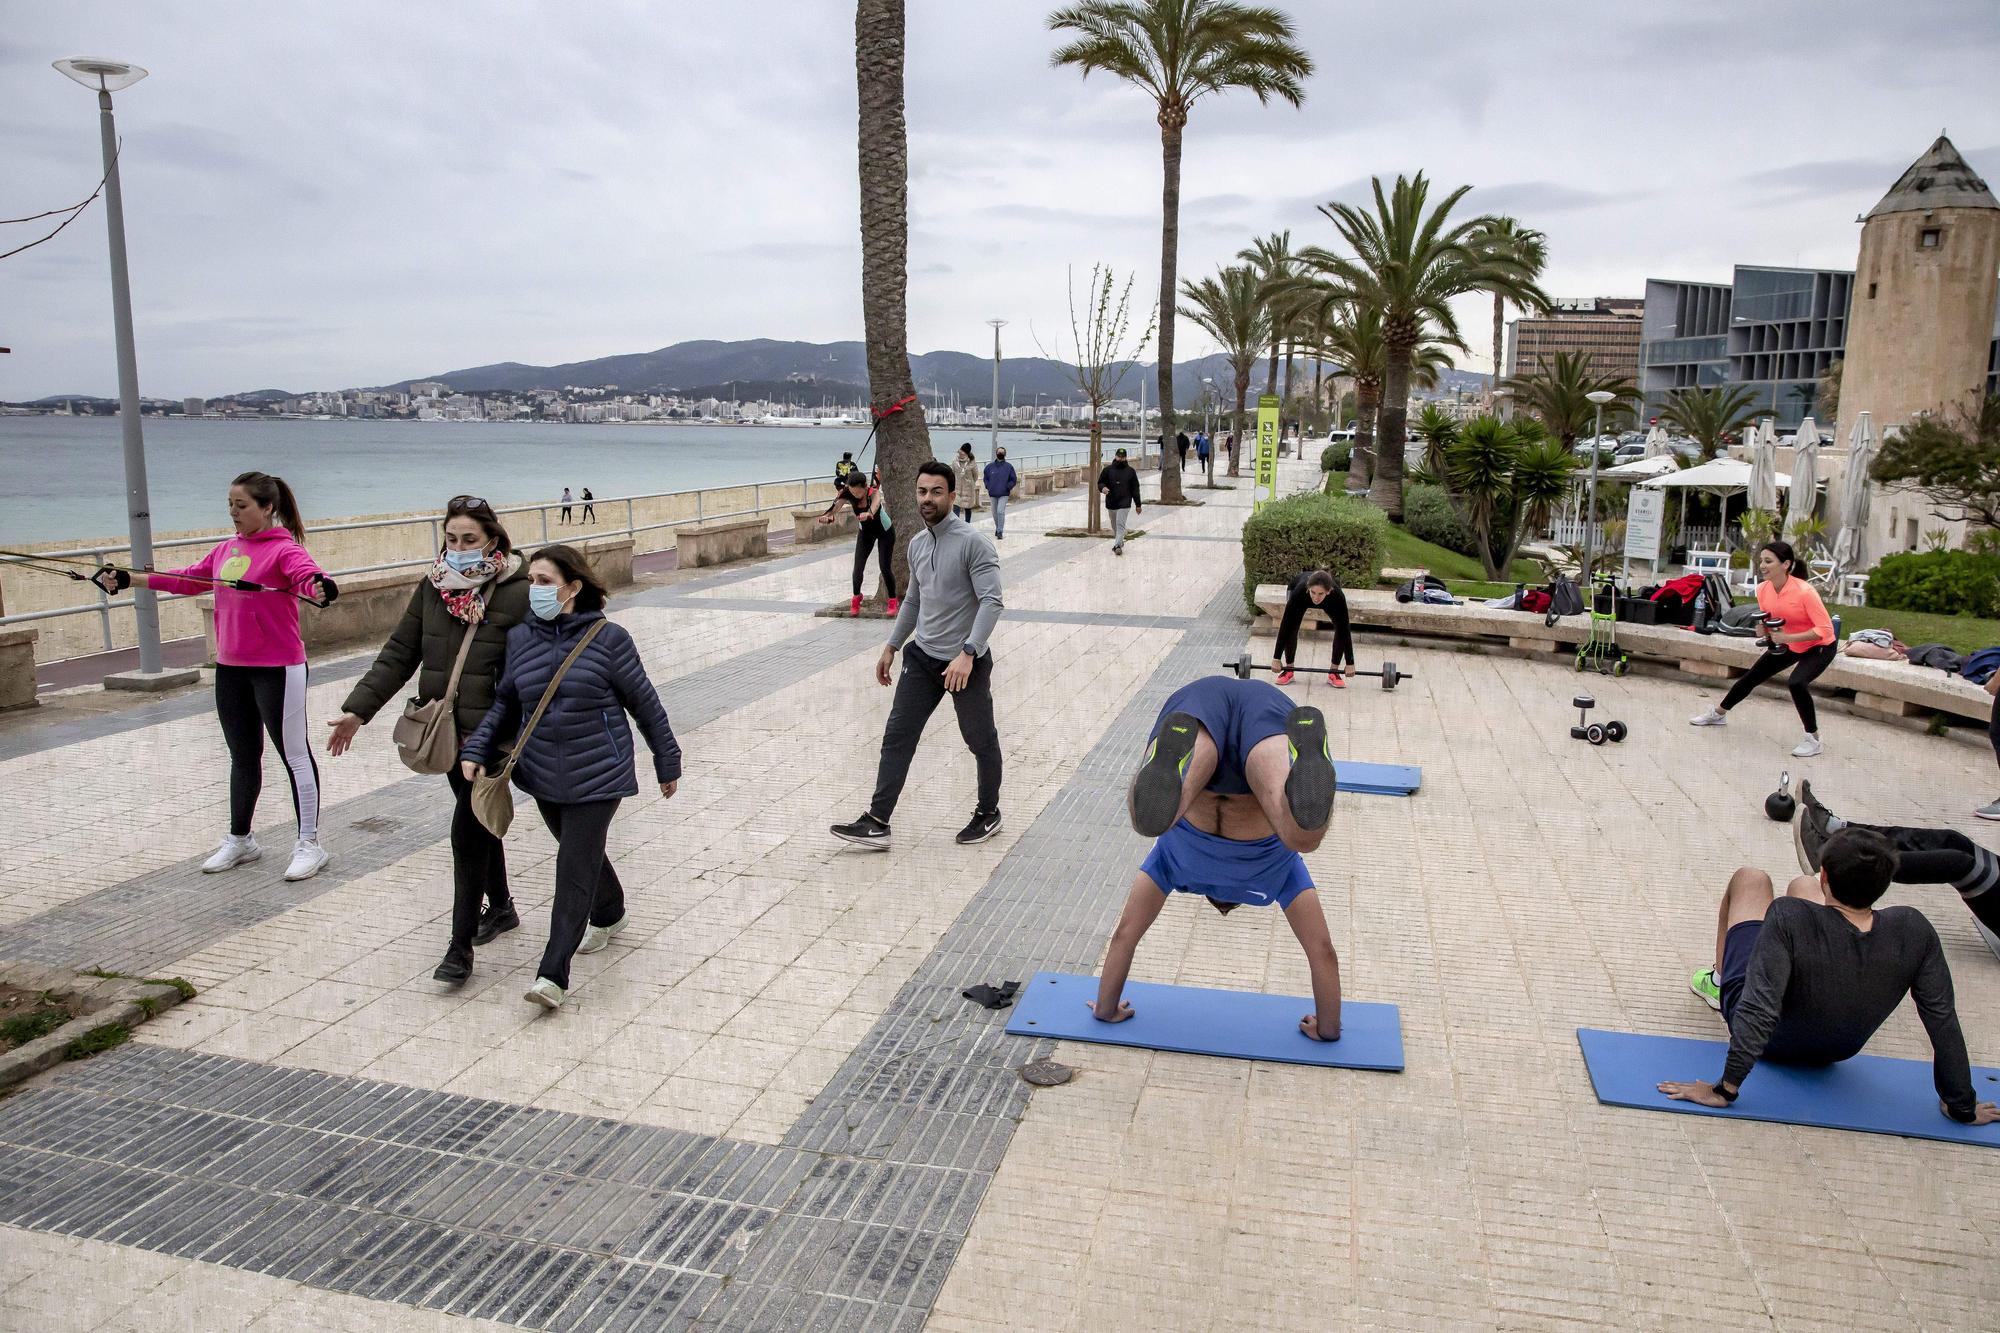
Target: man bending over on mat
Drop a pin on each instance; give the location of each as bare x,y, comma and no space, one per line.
1235,784
1806,979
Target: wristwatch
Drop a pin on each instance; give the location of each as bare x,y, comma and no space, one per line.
969,650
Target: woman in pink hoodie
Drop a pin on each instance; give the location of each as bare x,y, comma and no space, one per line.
260,671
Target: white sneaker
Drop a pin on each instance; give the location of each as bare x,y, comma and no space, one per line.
1991,811
308,859
545,993
596,937
1714,717
1807,748
233,852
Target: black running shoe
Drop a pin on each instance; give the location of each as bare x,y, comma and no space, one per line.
455,968
1309,786
495,922
866,831
1809,832
1156,788
985,823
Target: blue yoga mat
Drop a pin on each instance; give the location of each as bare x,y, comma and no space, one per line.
1195,1021
1870,1093
1377,779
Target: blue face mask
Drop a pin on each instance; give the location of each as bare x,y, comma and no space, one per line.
545,600
464,561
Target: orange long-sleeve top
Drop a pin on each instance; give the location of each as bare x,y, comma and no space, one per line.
1798,602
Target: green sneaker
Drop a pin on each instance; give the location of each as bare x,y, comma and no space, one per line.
1156,787
1309,787
1702,983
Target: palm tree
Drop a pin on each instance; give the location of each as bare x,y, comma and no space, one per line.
1230,306
1439,431
1506,235
883,140
1559,393
1503,478
1270,258
1178,51
1355,341
1710,416
1409,264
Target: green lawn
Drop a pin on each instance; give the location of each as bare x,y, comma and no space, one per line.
1403,551
1964,633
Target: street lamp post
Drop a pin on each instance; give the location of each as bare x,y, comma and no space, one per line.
993,439
1600,398
107,77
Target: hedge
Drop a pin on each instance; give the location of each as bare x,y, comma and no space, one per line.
1313,531
1428,515
1947,583
1336,457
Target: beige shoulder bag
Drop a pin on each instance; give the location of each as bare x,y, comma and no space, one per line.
426,734
492,798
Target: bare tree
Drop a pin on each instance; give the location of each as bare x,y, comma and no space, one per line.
1101,360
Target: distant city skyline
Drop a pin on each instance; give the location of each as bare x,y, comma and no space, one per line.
344,197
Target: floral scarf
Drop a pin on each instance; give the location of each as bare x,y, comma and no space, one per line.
465,594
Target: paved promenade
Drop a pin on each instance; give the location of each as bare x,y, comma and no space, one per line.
766,1105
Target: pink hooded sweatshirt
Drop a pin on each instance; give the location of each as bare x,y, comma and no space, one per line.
252,628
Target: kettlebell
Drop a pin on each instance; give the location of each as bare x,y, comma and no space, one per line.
1780,806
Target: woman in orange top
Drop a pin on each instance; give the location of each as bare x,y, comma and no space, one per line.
1803,643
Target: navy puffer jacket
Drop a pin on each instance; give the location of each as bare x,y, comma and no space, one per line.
582,748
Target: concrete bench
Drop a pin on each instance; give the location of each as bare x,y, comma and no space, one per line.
720,542
807,529
1036,483
17,666
369,605
1882,689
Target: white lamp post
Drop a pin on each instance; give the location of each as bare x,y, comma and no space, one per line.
107,77
1600,397
993,438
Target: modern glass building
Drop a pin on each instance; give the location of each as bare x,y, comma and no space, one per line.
1774,330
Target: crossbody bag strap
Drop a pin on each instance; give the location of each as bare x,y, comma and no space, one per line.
521,741
458,665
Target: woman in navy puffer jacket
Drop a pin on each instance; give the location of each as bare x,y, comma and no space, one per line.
578,763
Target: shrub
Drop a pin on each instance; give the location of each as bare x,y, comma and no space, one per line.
1947,583
1336,457
1313,531
1428,516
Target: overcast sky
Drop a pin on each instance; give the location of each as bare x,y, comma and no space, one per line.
332,195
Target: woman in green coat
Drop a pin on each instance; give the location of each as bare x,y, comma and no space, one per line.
479,586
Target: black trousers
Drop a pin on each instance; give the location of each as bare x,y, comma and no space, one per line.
919,690
589,512
478,864
565,513
1946,856
249,701
1805,668
1993,730
882,541
587,888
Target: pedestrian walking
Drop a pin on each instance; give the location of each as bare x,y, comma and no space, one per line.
589,507
965,482
1229,443
943,634
568,501
1181,443
1001,479
1118,483
1204,454
260,671
579,675
453,639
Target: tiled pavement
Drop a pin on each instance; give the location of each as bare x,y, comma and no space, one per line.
768,1107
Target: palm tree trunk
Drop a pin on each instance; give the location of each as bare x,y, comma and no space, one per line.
1499,326
1242,393
1391,416
1170,237
1271,376
883,139
1361,466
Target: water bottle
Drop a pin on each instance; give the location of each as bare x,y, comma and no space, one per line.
1836,629
1700,611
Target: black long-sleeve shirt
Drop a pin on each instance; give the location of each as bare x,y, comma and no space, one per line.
1121,480
1818,989
1297,602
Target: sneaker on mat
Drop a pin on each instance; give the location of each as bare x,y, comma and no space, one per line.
1714,717
233,852
596,937
1309,787
308,859
545,993
1156,787
1702,983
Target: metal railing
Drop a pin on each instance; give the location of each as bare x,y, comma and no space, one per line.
801,493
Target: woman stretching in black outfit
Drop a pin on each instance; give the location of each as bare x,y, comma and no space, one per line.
876,533
1314,588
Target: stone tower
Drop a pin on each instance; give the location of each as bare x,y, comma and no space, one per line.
1921,322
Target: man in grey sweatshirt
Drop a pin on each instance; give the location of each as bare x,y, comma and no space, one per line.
943,631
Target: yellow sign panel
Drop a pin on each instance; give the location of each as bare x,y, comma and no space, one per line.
1267,449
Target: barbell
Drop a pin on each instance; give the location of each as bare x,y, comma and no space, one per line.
1243,666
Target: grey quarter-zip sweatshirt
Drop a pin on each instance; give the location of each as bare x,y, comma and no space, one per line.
953,601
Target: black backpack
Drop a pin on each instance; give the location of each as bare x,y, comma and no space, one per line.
1408,592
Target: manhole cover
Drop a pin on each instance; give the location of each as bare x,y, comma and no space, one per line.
376,824
1047,1073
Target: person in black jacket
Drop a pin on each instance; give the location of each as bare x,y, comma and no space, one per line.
1119,485
578,762
479,586
1314,588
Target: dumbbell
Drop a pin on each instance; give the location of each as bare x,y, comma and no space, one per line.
1389,675
1595,732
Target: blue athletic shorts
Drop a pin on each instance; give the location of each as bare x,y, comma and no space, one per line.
1236,714
1737,946
1262,873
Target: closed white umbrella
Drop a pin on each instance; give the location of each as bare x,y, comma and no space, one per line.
1805,474
1656,442
1850,546
1640,469
1763,486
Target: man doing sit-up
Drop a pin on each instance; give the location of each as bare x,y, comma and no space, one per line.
1923,855
1235,784
1807,978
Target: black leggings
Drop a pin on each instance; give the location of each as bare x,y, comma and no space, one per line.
250,701
1993,730
1805,668
1946,856
883,541
587,888
478,864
